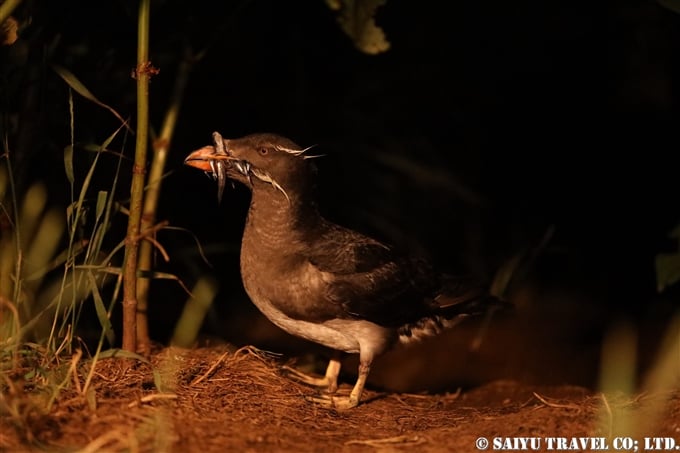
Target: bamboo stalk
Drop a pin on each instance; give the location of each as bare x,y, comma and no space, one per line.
143,73
161,147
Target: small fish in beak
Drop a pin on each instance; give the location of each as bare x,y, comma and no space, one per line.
213,162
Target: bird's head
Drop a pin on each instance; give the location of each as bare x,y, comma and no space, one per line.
260,161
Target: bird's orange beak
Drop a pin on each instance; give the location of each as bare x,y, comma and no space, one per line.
201,158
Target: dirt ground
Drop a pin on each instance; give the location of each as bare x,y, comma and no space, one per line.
219,398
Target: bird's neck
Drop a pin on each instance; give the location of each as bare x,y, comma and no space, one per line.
275,221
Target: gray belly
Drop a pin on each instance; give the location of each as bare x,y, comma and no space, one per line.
323,333
347,335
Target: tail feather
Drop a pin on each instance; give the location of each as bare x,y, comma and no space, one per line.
460,295
457,300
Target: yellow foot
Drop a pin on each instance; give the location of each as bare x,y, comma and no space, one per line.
335,402
305,378
326,382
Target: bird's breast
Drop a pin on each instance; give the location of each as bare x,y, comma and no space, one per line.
292,285
293,304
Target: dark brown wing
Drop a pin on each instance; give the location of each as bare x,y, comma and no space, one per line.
368,280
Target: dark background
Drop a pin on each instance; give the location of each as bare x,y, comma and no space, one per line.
486,126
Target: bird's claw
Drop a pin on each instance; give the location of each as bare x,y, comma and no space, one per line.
322,382
339,403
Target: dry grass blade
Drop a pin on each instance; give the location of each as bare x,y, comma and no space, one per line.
82,90
545,401
9,333
210,370
245,404
260,354
110,441
100,309
381,443
71,372
158,396
610,415
153,397
201,253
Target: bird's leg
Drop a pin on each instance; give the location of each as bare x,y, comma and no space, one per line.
332,372
340,402
358,389
329,381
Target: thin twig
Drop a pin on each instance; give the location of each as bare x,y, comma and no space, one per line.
608,409
153,397
379,443
109,438
210,370
17,329
159,247
74,370
558,405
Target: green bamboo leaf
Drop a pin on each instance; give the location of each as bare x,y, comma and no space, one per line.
88,178
110,138
93,147
98,237
68,164
74,214
99,307
101,204
99,268
162,276
82,90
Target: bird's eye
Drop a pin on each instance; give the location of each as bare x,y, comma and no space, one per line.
263,151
